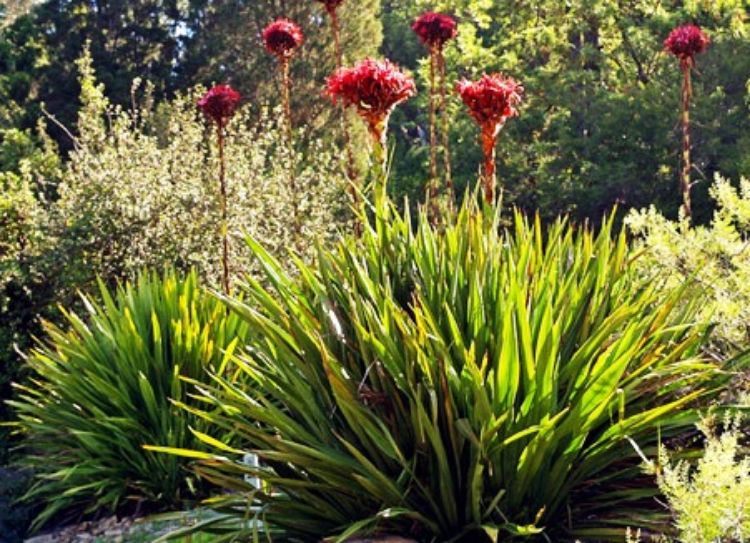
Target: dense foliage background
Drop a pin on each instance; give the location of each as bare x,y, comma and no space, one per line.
600,123
600,91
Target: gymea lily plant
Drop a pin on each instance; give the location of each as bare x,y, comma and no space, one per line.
686,42
492,100
219,105
435,30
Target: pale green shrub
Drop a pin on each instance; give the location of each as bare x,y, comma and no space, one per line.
711,500
24,168
716,256
23,224
141,189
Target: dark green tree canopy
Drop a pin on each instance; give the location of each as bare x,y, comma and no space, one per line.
600,122
174,45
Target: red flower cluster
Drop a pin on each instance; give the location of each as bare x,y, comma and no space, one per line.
491,100
220,103
331,5
374,87
282,37
687,41
434,29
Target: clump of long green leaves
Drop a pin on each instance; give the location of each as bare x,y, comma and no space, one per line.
101,387
472,382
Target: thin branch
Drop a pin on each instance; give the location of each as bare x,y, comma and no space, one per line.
61,126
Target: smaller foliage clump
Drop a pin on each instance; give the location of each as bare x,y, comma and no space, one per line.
715,259
102,386
711,499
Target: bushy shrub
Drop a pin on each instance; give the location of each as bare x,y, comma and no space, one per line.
142,187
715,258
101,388
711,500
469,383
23,223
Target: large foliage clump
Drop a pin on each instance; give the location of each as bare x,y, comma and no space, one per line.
715,259
470,382
102,386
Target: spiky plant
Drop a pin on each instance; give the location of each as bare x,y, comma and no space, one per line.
101,387
470,383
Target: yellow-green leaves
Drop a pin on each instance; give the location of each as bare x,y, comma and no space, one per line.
107,384
470,378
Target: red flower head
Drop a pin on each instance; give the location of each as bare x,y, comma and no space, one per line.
686,41
434,29
374,87
282,37
331,5
491,100
220,103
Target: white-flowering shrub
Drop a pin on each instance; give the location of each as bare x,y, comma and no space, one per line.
142,189
710,500
716,257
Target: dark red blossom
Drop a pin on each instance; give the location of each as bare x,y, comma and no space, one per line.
434,29
491,100
374,87
282,37
220,103
686,41
331,5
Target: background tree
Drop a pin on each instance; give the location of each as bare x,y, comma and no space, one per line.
10,10
598,127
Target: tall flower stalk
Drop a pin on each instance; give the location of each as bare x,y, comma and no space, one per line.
685,42
219,105
435,30
491,100
374,88
282,38
331,7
